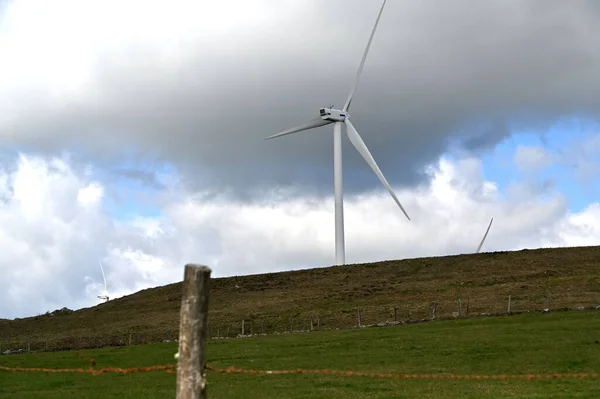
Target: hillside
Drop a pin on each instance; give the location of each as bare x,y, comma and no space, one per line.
560,277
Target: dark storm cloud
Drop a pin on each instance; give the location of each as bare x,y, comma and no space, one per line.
438,73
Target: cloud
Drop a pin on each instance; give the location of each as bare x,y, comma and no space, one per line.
49,224
199,84
581,228
449,215
531,158
584,156
53,232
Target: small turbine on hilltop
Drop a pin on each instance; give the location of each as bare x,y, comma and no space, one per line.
339,117
484,236
105,294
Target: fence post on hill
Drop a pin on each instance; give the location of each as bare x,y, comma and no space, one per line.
191,373
359,320
467,311
433,311
395,313
508,311
243,327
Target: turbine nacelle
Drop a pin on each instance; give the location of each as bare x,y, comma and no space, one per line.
334,115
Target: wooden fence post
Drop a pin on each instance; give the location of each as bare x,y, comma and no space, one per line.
359,320
509,297
242,327
191,375
468,300
395,313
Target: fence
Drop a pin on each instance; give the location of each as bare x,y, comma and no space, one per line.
348,318
171,369
194,331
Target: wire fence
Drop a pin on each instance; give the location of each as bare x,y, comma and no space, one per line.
172,368
256,324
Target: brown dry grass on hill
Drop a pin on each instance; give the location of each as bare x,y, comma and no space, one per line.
569,277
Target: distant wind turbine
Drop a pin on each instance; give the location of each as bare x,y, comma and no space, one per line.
105,295
339,117
484,236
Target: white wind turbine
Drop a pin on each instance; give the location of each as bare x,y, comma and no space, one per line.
339,117
105,294
484,236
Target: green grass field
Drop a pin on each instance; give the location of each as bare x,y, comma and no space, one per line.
561,342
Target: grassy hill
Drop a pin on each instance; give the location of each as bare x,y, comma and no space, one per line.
559,277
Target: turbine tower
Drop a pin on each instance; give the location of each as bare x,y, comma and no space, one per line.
484,236
337,118
105,295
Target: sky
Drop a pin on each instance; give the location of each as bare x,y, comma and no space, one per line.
133,135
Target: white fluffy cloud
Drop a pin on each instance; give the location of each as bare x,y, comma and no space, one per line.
50,221
53,231
449,215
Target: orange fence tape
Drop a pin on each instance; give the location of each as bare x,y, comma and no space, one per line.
172,368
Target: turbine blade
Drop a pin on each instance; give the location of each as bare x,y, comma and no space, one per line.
103,276
361,147
308,125
484,236
362,62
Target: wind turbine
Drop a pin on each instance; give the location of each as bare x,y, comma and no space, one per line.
484,236
105,296
337,118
